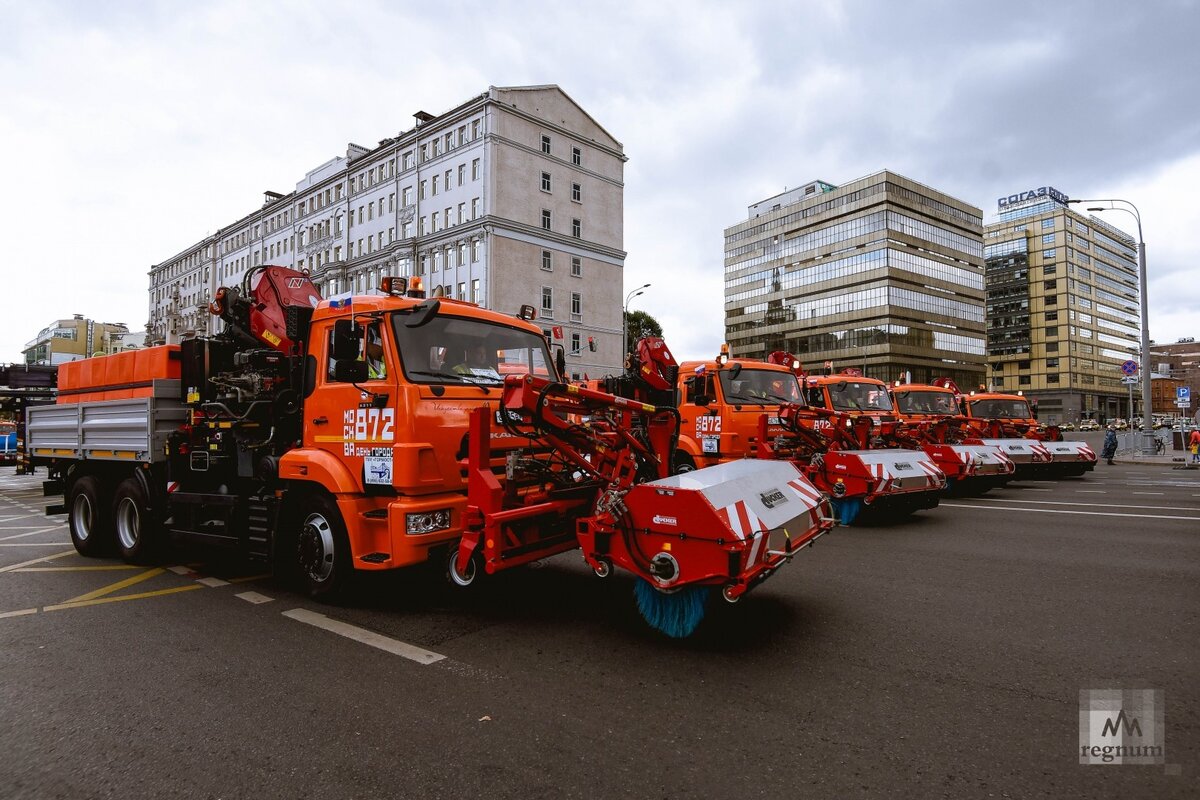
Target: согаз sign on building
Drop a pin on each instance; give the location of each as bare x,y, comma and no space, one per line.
1032,194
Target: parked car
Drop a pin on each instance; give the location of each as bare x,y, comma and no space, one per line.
1089,425
1067,426
1121,425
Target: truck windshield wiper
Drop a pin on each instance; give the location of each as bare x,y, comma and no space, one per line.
469,380
759,401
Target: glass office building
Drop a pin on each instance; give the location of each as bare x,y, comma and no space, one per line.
1062,309
881,274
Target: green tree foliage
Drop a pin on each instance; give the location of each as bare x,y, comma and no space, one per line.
638,325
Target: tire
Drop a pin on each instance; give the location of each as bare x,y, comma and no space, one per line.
89,518
322,552
682,463
136,532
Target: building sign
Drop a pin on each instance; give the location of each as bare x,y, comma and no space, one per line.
1032,194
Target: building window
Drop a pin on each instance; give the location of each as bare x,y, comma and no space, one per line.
1052,363
1048,238
576,267
547,301
474,208
1051,316
1049,253
475,169
475,128
1052,331
576,306
547,262
475,291
1052,377
1051,299
576,193
1048,223
575,344
545,143
1049,285
1023,380
576,228
545,181
462,174
435,184
546,219
576,156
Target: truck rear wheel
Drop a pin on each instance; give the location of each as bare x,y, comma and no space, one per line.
134,527
88,518
682,463
322,549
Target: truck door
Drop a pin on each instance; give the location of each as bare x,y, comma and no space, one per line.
354,422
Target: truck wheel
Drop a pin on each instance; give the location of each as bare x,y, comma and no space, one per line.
135,531
88,518
682,463
322,549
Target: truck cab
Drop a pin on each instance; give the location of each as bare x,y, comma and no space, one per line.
720,403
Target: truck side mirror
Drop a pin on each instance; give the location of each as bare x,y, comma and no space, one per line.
560,360
346,335
350,370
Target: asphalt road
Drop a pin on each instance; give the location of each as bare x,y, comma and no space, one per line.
939,657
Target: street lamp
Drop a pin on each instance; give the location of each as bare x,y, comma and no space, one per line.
625,318
1147,407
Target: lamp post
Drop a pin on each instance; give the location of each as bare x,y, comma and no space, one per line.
625,318
1147,406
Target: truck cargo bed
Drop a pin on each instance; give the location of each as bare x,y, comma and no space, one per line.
133,429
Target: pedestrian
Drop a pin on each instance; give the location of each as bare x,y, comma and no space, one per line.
1194,445
1110,444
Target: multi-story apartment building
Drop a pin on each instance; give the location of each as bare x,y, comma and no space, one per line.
882,274
1181,362
514,197
1063,313
72,339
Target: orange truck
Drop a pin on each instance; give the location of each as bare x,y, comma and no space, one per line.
1005,420
736,408
930,419
331,437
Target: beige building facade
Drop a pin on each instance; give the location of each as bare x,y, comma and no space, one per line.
515,197
882,274
79,337
1063,308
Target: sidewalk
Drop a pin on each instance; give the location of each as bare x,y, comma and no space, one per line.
1173,458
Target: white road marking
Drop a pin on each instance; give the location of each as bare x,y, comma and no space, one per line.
1091,491
1081,513
214,582
11,567
1089,505
180,570
30,533
1149,493
255,597
363,636
31,544
23,612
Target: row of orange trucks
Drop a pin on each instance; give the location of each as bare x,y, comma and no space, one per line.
332,437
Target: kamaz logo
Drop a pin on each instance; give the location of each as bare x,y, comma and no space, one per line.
1114,724
772,498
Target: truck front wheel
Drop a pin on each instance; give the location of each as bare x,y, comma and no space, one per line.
131,518
322,549
88,518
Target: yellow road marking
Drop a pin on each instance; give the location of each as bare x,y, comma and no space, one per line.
119,598
23,612
105,568
12,567
147,575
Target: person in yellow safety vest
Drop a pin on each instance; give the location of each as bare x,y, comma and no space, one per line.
476,362
373,350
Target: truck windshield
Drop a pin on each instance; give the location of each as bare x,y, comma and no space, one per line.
924,402
1000,409
855,396
761,386
450,349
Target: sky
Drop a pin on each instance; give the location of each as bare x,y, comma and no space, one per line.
132,130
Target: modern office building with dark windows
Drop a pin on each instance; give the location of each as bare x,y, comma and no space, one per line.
882,274
1062,308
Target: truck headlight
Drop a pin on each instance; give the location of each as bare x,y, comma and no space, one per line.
427,521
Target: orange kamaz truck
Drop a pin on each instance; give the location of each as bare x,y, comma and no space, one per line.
1005,420
330,437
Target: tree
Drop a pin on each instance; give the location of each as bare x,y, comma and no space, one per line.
638,325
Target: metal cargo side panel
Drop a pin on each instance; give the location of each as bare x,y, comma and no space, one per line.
52,428
775,491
